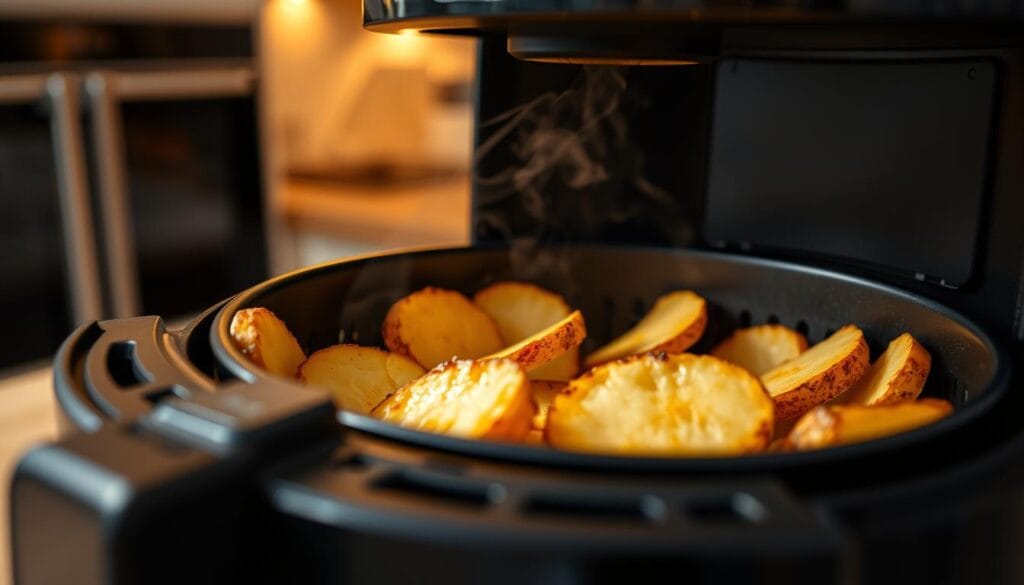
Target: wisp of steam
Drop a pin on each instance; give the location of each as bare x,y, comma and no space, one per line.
568,148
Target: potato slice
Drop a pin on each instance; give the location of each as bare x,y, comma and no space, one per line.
662,405
478,399
818,374
434,325
761,348
542,393
547,344
828,426
674,323
266,341
898,374
520,310
358,378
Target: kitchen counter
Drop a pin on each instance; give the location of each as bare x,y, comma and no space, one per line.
28,415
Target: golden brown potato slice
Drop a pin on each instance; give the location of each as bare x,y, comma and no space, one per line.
547,344
542,393
434,325
266,341
674,323
818,374
897,375
520,310
663,405
358,378
828,426
761,348
481,399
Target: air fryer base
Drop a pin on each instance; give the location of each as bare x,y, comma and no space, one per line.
252,479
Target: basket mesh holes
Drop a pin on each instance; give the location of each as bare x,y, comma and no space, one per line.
745,318
802,327
639,310
959,395
608,304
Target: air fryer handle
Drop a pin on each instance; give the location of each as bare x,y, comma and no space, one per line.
119,369
166,468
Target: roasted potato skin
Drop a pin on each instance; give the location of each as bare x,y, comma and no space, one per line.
685,339
520,310
266,341
547,345
793,402
433,325
680,337
880,386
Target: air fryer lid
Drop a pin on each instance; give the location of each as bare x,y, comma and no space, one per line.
614,287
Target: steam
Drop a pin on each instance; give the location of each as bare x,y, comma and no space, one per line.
572,161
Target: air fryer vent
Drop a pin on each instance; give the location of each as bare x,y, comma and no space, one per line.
450,490
602,508
738,508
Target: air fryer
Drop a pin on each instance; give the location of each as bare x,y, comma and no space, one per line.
804,164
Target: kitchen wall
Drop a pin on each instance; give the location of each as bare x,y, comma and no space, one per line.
328,82
382,122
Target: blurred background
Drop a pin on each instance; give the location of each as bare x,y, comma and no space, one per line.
157,156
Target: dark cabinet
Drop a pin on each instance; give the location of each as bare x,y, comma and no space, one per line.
128,185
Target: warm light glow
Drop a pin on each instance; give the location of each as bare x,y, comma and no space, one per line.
408,32
296,15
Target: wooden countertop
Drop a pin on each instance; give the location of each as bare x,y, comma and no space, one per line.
428,213
28,415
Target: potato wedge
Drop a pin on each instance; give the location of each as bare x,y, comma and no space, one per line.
358,378
520,309
674,323
898,374
266,341
542,393
818,374
659,404
761,348
828,426
433,325
548,344
480,399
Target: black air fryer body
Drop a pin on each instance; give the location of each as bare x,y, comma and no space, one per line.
807,164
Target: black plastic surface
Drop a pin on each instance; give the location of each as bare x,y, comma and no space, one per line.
884,163
467,16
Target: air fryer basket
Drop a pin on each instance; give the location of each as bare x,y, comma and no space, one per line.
614,286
